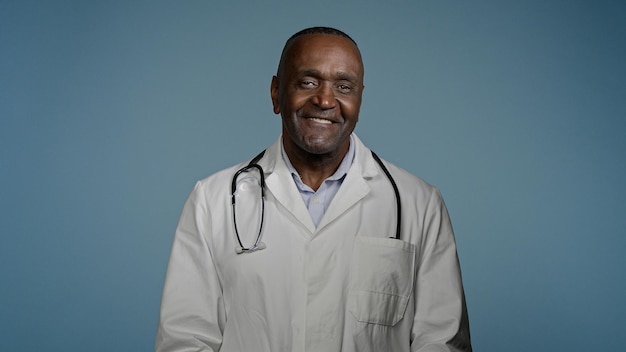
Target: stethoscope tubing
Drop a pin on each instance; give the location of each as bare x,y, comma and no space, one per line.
258,245
241,247
395,190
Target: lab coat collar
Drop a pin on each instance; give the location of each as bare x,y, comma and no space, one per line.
280,183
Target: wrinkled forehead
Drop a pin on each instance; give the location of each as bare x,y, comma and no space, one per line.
316,45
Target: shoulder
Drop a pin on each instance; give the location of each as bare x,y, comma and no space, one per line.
411,184
220,176
406,181
220,182
217,184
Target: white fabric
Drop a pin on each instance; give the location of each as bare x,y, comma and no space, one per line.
343,286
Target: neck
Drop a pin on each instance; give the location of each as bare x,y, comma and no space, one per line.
315,168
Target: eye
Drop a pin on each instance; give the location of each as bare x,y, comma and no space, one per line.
344,88
308,83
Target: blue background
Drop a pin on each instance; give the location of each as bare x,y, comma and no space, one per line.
110,111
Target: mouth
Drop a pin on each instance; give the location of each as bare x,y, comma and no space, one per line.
319,120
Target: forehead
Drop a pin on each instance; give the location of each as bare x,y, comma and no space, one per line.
319,50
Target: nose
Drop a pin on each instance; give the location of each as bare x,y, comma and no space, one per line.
325,97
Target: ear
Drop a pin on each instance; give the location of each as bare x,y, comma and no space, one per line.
274,94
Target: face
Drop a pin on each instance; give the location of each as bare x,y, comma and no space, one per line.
318,94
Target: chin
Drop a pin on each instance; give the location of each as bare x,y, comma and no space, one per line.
320,148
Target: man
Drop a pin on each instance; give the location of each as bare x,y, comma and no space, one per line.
327,270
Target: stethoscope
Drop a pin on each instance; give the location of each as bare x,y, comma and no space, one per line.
258,245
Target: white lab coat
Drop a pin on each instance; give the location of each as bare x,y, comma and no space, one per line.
343,286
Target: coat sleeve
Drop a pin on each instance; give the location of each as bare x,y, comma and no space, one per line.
440,322
192,307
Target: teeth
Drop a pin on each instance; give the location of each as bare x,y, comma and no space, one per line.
319,120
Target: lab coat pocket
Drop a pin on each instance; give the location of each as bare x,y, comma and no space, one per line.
381,282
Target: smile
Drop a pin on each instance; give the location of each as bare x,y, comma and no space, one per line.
319,120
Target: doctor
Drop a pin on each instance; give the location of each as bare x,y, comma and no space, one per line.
329,273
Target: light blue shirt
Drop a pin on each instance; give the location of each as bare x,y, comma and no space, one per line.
318,201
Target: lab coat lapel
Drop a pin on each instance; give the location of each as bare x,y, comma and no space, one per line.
280,183
352,190
354,186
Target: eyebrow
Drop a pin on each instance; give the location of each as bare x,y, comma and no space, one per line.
340,74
